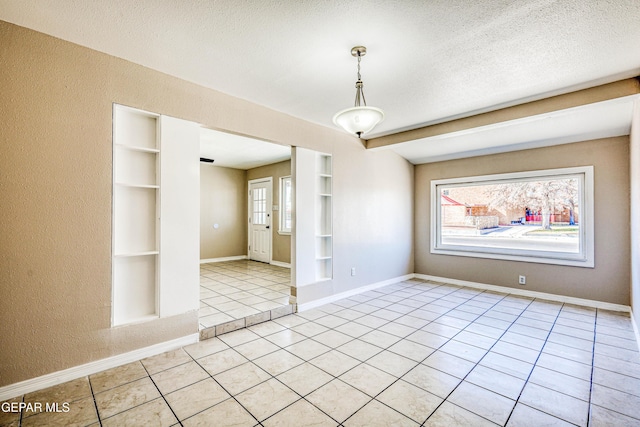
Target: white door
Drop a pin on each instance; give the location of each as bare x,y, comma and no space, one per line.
260,220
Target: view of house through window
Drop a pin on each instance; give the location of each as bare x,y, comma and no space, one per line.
532,214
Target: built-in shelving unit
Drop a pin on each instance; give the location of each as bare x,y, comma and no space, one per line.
156,216
323,218
312,245
136,197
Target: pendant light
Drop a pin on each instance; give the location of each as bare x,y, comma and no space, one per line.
360,118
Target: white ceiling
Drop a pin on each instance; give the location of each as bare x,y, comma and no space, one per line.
427,62
239,152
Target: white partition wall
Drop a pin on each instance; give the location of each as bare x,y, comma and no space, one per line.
180,216
156,212
312,246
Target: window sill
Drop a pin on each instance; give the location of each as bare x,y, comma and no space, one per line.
577,262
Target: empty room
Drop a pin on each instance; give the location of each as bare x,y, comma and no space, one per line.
206,222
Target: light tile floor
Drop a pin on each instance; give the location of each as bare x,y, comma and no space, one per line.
232,290
413,353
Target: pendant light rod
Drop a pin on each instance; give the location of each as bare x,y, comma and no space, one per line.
359,52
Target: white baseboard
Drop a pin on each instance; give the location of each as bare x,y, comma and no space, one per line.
223,259
326,300
525,293
55,378
241,257
280,264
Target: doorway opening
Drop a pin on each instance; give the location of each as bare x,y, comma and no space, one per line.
245,254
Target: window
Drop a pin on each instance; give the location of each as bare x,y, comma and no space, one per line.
259,206
285,204
538,216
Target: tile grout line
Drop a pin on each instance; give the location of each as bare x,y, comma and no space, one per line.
161,394
21,418
604,386
593,367
95,404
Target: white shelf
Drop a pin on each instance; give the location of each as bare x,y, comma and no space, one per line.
137,148
132,254
126,184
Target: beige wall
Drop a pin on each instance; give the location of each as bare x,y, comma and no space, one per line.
56,184
223,201
608,281
281,243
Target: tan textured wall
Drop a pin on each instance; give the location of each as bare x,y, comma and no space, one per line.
281,250
223,201
55,183
608,281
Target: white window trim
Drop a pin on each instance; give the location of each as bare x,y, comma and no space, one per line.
281,229
585,257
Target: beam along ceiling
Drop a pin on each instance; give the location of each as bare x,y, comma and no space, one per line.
427,61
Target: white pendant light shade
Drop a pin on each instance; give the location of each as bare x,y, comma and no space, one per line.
358,120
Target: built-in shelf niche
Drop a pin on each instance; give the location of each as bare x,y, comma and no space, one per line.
135,215
312,246
324,217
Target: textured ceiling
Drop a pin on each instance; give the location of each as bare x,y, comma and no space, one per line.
427,61
240,152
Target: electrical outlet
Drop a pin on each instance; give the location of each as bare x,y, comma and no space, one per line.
522,280
353,271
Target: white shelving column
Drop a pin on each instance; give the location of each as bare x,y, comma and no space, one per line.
135,215
312,246
324,217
